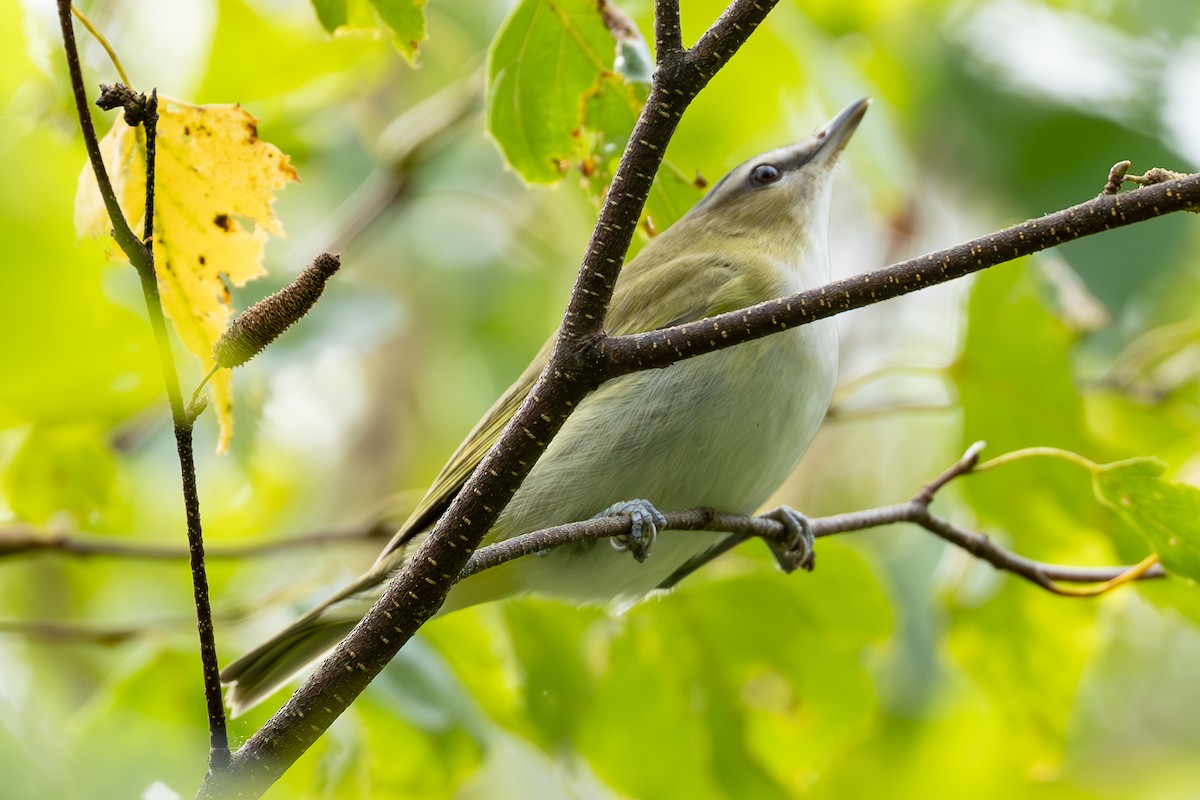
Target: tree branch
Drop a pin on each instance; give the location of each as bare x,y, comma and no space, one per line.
743,528
677,81
661,348
24,540
53,630
141,255
66,631
668,33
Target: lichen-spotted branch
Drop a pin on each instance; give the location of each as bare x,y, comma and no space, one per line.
663,347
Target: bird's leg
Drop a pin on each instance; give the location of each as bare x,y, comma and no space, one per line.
797,551
645,521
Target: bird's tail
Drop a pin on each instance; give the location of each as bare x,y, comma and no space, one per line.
256,675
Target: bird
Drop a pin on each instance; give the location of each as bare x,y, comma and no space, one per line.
720,430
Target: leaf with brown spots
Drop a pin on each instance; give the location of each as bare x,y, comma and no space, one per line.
215,184
566,82
555,95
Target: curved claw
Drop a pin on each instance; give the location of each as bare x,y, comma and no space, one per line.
797,552
645,522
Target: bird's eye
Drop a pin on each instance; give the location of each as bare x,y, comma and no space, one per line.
764,174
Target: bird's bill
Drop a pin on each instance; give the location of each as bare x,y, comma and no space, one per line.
837,132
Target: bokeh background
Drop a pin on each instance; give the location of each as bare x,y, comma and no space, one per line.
899,668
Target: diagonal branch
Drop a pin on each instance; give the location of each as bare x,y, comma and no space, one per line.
661,348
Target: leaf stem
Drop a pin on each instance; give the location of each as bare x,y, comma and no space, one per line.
1038,452
99,37
203,382
1136,572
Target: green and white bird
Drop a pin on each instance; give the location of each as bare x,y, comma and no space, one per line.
722,430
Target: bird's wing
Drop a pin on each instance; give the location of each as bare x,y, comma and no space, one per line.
468,455
658,294
694,286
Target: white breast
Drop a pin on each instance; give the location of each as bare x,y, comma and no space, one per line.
722,430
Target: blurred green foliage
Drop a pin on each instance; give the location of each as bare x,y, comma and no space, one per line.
899,668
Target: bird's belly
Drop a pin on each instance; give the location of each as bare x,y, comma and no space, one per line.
722,430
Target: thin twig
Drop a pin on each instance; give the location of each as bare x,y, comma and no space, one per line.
741,529
99,37
1038,452
126,239
150,126
660,348
52,630
22,540
66,631
961,467
141,256
914,511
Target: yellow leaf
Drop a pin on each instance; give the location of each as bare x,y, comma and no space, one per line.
215,182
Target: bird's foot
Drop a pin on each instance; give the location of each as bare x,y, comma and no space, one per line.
645,522
797,551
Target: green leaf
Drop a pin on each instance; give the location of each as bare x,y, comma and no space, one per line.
331,13
1016,366
736,657
557,678
420,731
1165,513
30,763
1017,391
1025,684
60,468
140,707
555,96
406,19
